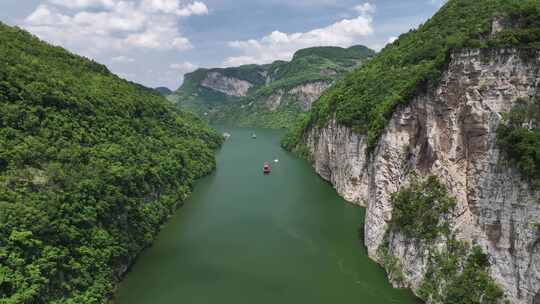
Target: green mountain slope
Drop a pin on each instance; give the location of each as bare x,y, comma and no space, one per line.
366,98
270,95
90,167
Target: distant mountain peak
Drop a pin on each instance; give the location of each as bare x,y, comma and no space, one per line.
270,95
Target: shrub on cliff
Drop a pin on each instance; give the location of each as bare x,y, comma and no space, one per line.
519,139
459,274
419,208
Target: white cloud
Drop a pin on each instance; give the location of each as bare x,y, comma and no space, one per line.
122,59
392,39
195,8
147,24
184,67
279,45
174,7
365,8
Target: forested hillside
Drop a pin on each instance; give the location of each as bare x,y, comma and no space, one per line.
90,167
271,95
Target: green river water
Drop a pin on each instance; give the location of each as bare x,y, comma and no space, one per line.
247,238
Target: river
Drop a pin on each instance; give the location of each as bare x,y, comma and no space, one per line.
247,238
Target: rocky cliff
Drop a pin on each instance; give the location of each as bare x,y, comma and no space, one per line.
449,131
227,85
302,96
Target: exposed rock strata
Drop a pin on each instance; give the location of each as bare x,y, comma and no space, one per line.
449,131
304,95
307,93
226,85
274,101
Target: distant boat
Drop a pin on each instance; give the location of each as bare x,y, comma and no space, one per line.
276,160
254,136
266,168
226,135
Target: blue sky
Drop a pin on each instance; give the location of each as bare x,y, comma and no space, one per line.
155,42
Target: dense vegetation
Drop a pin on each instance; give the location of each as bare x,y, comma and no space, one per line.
457,272
519,139
312,65
366,98
90,167
419,208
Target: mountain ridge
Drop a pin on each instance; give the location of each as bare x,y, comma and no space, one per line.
270,95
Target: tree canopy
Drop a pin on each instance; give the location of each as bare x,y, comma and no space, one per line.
90,166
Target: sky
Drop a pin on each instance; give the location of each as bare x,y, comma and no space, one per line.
156,42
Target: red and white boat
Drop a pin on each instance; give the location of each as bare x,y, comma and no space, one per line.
266,168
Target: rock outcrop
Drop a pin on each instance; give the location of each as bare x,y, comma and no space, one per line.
303,95
274,101
449,131
307,93
226,85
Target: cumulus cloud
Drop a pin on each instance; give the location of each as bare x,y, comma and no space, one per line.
195,8
174,7
279,45
365,8
118,24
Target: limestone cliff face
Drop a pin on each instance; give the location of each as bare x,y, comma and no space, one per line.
449,131
307,93
273,102
304,95
226,85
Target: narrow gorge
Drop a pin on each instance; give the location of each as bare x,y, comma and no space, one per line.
334,155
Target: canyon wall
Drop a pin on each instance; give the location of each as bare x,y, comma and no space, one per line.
449,131
227,85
